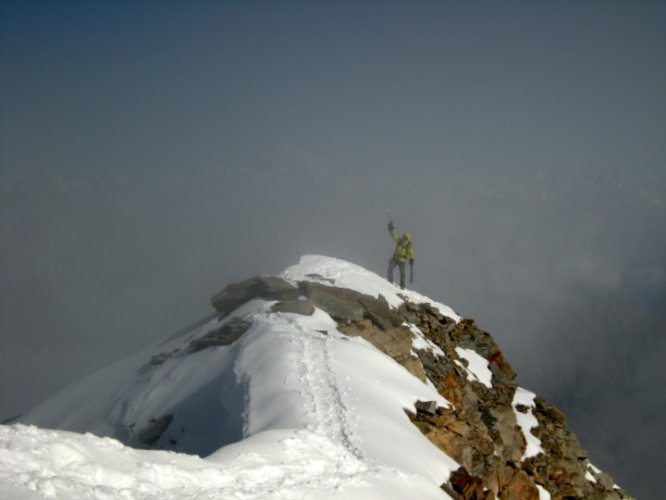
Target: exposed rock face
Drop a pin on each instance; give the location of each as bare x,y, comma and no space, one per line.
263,287
348,306
481,430
484,429
303,307
341,304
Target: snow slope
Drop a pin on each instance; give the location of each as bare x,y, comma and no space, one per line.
293,409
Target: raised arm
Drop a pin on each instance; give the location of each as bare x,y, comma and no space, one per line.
392,232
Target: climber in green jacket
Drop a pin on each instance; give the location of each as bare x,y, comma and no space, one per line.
403,252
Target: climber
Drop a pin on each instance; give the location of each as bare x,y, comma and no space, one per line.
403,252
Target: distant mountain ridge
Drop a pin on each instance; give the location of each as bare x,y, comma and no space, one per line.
329,356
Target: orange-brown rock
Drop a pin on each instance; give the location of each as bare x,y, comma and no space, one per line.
469,487
521,487
480,430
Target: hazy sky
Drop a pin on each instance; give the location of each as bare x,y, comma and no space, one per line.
154,151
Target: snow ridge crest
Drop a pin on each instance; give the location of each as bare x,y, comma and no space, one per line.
325,380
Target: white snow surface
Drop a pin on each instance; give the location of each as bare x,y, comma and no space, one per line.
527,421
544,494
478,368
421,343
293,409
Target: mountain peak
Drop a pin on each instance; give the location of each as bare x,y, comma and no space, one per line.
325,379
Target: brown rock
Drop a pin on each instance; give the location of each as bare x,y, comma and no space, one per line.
506,426
521,487
451,385
451,422
549,412
500,366
557,474
504,473
466,485
605,480
480,430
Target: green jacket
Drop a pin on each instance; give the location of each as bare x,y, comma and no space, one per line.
403,249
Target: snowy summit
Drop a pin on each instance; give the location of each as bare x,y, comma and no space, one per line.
325,381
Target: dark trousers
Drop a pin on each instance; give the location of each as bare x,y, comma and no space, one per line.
391,266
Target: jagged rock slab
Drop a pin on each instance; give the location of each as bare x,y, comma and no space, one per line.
260,287
379,311
346,305
340,303
429,407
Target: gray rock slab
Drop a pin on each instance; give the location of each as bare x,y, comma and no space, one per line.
337,305
378,311
262,287
429,407
303,307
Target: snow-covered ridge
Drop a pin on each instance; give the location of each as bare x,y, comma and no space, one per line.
292,408
324,382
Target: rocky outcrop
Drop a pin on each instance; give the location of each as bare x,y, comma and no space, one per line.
347,306
341,304
481,430
263,287
303,307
